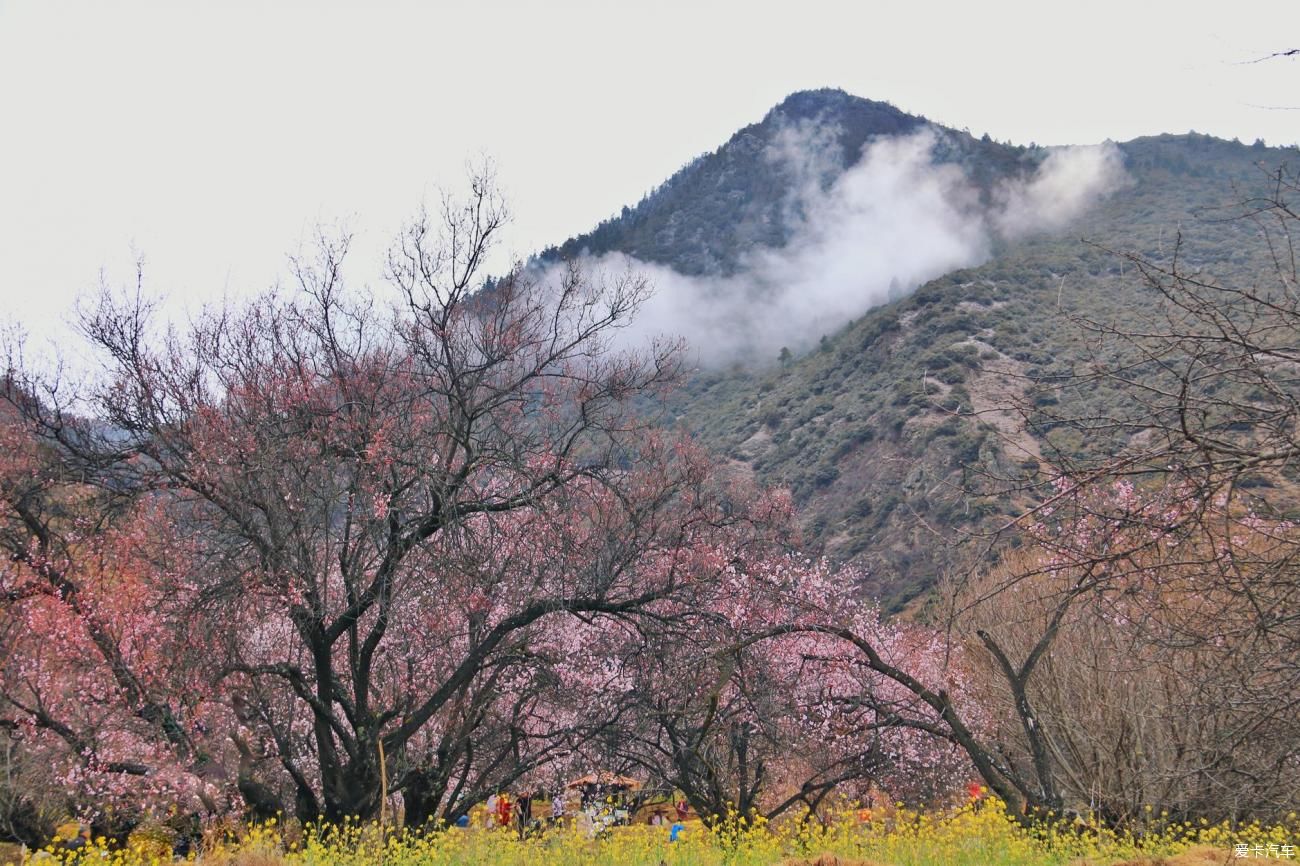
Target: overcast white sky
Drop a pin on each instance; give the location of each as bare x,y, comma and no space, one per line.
210,137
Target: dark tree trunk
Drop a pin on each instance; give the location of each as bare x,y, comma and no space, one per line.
420,801
263,803
352,792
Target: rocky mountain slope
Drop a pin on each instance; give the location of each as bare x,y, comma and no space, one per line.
884,429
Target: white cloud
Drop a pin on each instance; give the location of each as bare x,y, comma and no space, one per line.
1069,181
891,222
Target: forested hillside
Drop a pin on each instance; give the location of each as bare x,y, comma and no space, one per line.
884,430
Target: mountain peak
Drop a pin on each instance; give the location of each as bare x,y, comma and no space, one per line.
827,101
704,218
856,121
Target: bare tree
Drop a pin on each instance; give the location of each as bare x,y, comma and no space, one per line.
1164,570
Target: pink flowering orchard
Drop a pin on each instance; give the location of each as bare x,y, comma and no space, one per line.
332,551
313,552
101,677
738,697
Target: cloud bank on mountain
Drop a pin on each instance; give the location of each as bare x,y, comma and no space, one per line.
858,238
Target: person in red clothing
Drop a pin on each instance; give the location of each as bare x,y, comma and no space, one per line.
503,810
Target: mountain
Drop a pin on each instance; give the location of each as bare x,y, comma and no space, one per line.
721,204
881,430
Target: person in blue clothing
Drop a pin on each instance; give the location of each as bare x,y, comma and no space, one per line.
676,830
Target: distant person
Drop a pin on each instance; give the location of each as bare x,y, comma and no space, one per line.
490,818
557,808
523,809
975,792
682,809
676,831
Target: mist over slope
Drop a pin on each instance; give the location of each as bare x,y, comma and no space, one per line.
857,238
939,268
829,206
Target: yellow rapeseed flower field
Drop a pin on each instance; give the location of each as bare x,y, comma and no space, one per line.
975,834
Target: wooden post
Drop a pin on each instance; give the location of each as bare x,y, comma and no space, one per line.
383,794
